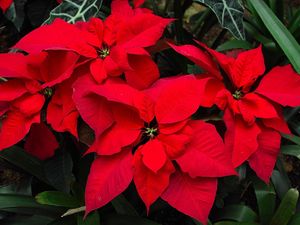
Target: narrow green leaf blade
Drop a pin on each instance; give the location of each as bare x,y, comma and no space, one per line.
56,198
286,208
280,33
293,138
91,219
75,10
234,223
266,200
295,219
18,157
123,207
230,15
238,213
26,205
58,171
293,150
126,220
26,220
234,44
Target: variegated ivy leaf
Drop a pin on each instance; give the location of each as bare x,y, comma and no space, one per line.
75,10
230,15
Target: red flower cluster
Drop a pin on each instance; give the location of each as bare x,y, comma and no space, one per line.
144,131
250,100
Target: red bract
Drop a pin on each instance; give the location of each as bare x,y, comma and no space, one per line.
251,107
114,47
41,142
155,125
5,4
29,80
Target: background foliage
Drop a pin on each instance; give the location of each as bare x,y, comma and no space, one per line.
52,192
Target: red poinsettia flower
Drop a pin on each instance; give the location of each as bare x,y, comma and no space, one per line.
252,105
5,4
155,125
41,142
28,81
114,47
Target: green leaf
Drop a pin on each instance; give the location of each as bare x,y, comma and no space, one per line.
18,157
234,223
293,150
295,22
292,138
58,171
92,219
16,13
26,205
114,219
70,220
123,207
277,7
238,213
266,200
295,219
280,180
286,208
234,44
26,220
75,10
23,187
271,45
230,15
57,198
280,33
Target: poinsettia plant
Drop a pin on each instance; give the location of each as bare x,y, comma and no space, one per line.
175,111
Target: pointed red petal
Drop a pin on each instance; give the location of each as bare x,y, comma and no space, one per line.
226,62
282,85
41,142
206,148
125,131
12,129
62,114
240,138
248,66
154,156
121,7
144,71
98,70
263,160
200,58
90,106
138,3
109,176
57,67
14,65
5,4
175,143
141,30
57,35
212,87
4,107
254,106
150,185
193,197
171,107
29,104
278,124
12,89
